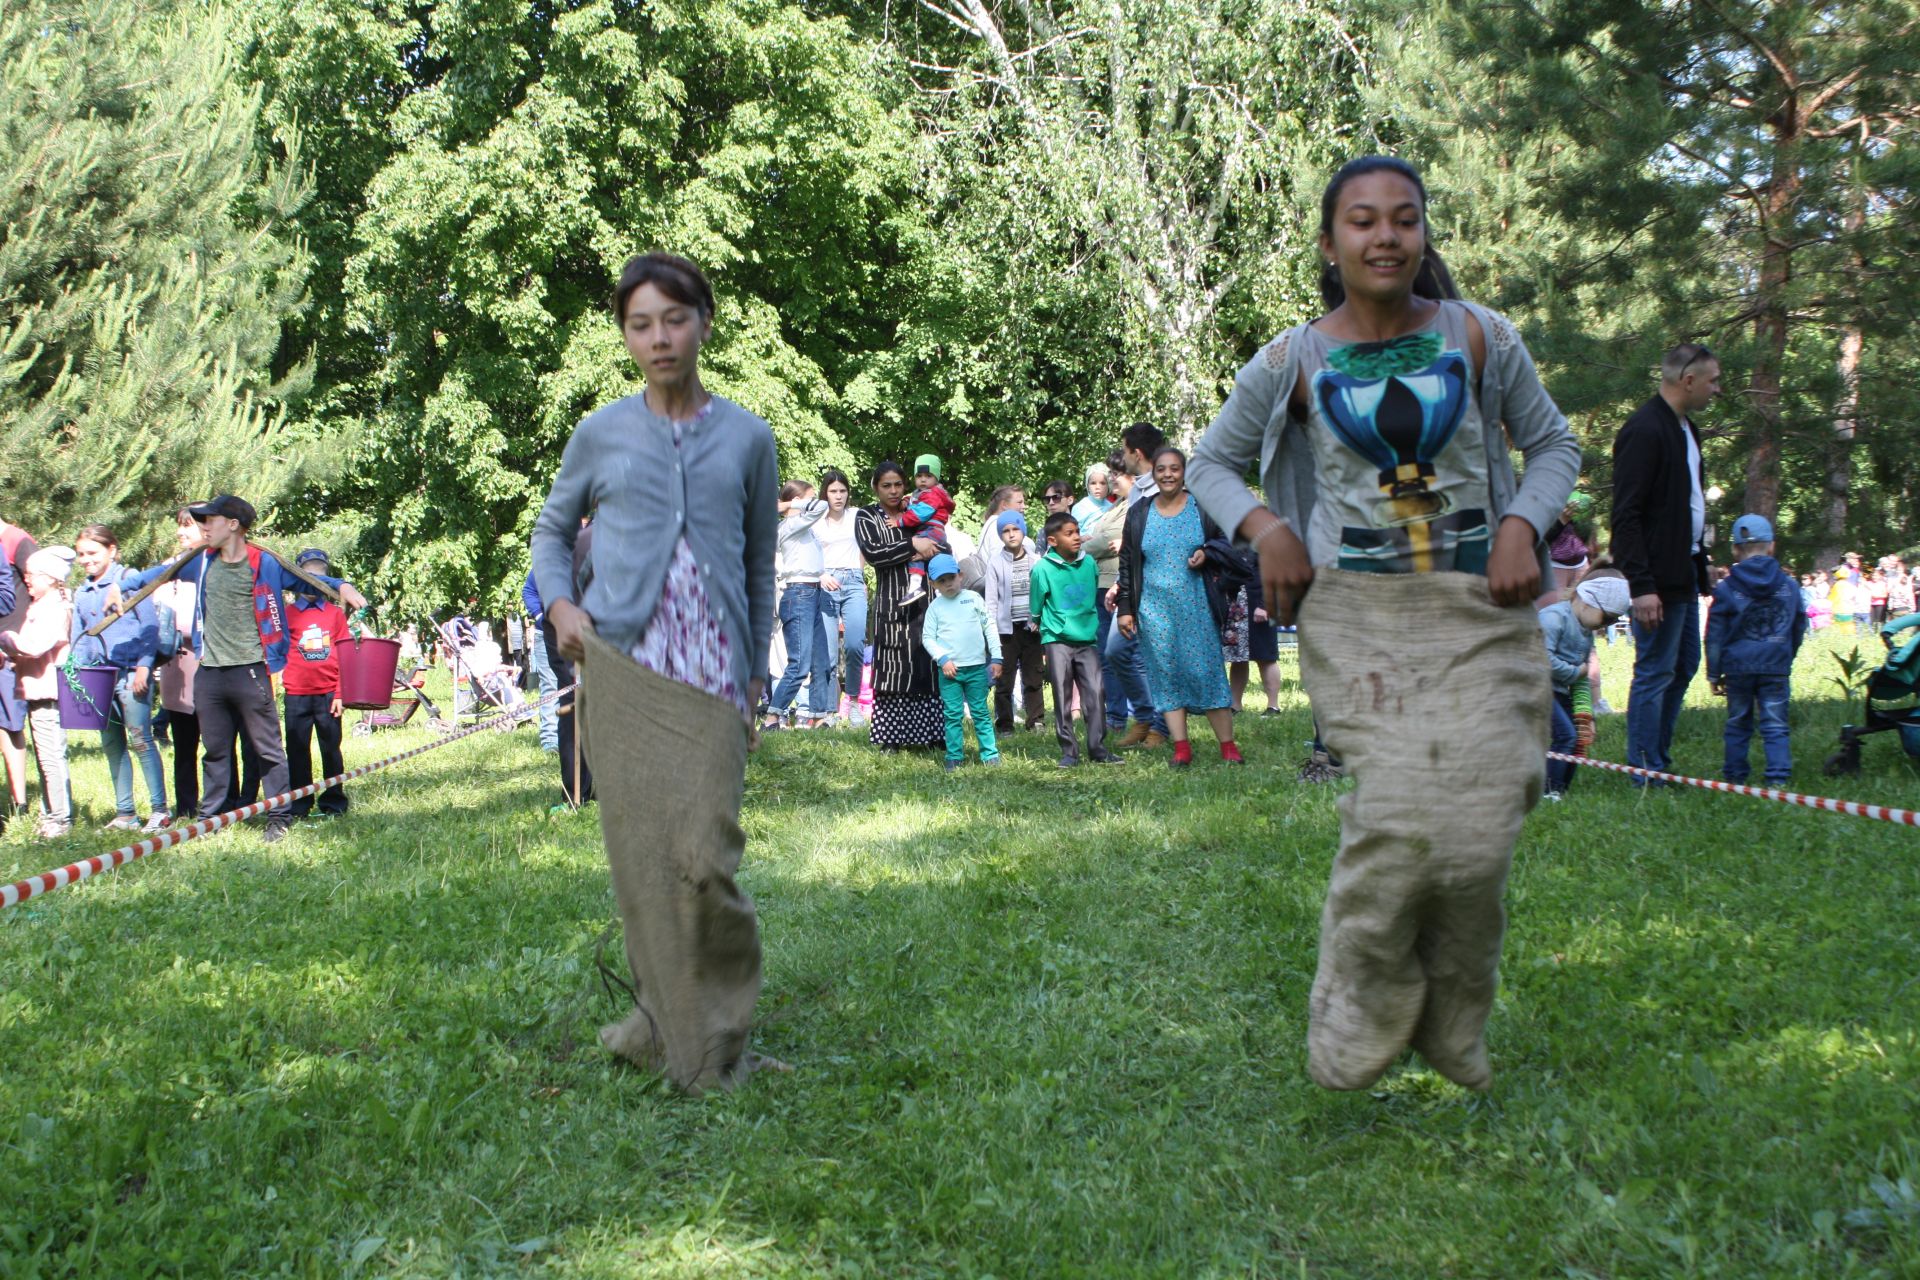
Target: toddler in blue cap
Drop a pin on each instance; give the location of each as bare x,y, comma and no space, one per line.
965,645
1754,629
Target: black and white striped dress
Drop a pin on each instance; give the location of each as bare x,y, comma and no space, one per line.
906,701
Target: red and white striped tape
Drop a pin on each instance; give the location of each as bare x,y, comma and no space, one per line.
74,872
1880,813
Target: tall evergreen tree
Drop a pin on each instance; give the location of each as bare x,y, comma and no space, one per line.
1646,171
144,271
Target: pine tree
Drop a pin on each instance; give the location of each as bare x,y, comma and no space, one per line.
1647,172
143,277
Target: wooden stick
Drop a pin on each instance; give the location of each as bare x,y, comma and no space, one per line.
301,574
172,567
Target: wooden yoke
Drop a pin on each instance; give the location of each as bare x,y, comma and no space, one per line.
118,609
302,574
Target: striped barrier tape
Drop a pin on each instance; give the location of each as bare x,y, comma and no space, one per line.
74,872
1880,813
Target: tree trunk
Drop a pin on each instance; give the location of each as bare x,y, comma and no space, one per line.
1770,320
1846,424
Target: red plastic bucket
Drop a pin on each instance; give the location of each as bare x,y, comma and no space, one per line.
92,711
367,667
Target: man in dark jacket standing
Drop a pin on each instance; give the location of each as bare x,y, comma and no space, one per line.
1659,530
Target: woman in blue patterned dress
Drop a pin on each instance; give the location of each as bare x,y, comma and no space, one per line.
1164,598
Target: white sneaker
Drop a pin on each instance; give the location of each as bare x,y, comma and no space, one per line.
52,828
158,820
124,822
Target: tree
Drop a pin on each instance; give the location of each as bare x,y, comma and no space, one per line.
1137,181
540,151
1692,167
145,271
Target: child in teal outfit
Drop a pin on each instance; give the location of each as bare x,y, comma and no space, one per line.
965,645
1065,586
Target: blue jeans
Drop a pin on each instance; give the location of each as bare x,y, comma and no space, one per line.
806,635
1124,656
547,682
848,606
1559,772
130,730
1664,662
1117,703
1763,699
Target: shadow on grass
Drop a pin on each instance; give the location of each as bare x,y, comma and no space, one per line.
1044,1023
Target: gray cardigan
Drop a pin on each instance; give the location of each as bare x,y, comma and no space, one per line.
1255,423
720,489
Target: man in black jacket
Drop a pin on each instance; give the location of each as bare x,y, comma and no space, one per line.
1659,530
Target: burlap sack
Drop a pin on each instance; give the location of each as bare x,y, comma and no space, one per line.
1436,700
669,766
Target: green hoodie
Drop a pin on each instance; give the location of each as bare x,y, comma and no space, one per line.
1062,599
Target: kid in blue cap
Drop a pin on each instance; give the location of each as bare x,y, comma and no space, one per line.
965,646
1753,632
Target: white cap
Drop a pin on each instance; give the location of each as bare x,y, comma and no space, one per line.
1610,595
51,562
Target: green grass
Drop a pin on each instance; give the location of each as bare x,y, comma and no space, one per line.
1043,1024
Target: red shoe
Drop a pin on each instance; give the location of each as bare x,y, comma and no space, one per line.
1230,753
1182,754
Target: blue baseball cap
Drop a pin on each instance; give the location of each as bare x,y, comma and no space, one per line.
1752,528
942,565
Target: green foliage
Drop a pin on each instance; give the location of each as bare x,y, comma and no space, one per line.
1034,1034
535,157
352,256
1855,672
1122,196
145,270
1624,176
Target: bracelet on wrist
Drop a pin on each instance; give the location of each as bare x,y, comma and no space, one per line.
1279,522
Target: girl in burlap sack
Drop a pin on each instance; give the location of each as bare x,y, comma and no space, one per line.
1382,431
670,623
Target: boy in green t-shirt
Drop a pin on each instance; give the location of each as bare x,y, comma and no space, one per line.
1065,588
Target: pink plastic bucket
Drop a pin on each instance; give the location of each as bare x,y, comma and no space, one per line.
367,667
90,712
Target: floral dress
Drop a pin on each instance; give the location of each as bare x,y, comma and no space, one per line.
682,641
1234,636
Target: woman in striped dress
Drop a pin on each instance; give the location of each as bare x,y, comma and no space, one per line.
906,702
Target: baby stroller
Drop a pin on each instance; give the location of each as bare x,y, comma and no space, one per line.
1893,698
483,681
409,695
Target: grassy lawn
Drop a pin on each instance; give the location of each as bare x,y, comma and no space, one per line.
1043,1024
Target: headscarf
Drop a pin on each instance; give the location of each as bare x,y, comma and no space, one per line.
1001,521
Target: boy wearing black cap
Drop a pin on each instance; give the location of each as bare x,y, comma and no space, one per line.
240,636
312,684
